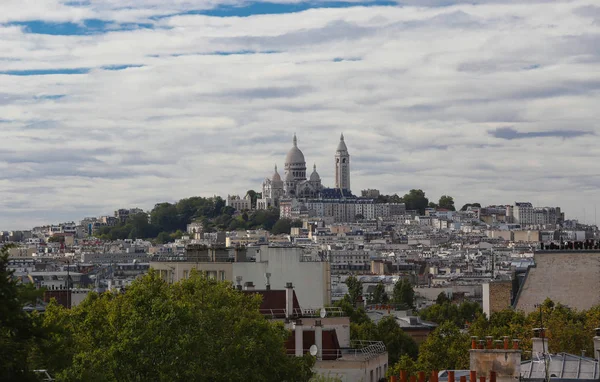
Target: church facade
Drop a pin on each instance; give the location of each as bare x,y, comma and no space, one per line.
296,185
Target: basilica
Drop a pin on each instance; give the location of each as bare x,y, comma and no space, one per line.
295,184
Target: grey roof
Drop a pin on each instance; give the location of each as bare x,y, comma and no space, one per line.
568,277
561,366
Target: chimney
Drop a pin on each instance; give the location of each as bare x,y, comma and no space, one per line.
505,362
539,342
319,339
289,300
268,284
597,344
299,338
249,285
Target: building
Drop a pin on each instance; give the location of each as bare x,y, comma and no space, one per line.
295,183
311,274
370,193
324,332
239,204
565,275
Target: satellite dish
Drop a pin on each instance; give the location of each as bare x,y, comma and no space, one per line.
323,313
313,350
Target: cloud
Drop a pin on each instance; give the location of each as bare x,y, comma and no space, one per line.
116,103
510,133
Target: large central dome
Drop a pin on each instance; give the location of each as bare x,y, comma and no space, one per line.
295,156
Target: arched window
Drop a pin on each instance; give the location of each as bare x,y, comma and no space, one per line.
344,160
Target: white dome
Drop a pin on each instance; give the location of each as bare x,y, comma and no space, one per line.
276,177
295,155
314,177
342,144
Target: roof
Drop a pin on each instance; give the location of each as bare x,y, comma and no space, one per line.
294,155
274,302
342,144
561,366
567,277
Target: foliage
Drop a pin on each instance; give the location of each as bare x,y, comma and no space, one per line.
389,199
326,378
355,288
29,294
379,296
16,327
445,311
447,202
404,293
285,226
442,298
445,348
197,330
464,208
167,219
416,200
389,332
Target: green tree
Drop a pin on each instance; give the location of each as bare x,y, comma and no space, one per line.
164,237
355,289
447,202
445,348
16,327
282,226
396,341
379,296
416,200
464,207
404,293
442,298
197,330
253,197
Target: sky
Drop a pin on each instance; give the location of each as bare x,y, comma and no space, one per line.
108,104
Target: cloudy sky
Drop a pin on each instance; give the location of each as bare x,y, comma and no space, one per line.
124,103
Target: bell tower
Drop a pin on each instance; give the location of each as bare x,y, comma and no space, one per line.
342,166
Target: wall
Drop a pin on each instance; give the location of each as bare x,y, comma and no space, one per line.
496,296
354,370
568,277
311,279
506,363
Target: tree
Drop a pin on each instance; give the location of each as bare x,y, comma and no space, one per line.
358,217
432,205
379,296
396,341
16,327
253,197
404,293
355,289
282,226
442,298
445,349
164,237
416,200
464,208
447,202
197,329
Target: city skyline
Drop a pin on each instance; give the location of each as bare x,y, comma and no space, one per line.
109,105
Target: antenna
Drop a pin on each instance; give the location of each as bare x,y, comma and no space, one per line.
314,350
323,313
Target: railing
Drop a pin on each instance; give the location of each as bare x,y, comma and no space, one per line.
360,350
366,349
303,312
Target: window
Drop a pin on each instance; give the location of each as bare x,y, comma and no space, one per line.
222,275
185,274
